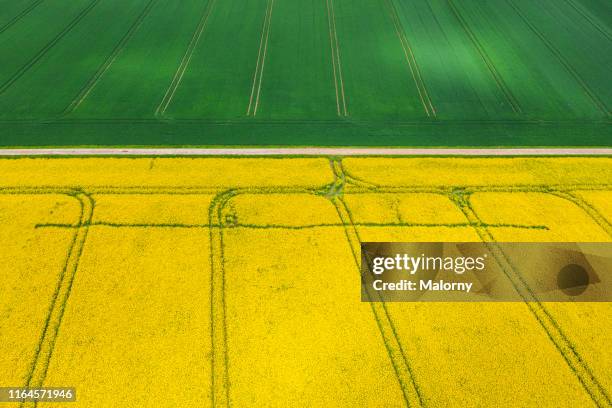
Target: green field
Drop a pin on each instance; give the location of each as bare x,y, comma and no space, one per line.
317,72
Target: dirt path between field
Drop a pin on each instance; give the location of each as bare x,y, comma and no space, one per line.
307,151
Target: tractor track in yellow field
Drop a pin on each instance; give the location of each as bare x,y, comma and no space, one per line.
355,189
220,363
549,324
587,208
291,227
401,365
553,330
46,344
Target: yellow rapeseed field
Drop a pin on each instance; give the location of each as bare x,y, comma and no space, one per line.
32,261
164,282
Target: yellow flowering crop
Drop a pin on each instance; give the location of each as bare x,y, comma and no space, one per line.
599,200
170,172
564,221
32,261
480,171
295,339
136,330
188,281
403,208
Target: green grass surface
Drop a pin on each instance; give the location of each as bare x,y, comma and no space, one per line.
317,72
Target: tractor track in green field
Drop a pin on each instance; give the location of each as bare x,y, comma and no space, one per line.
586,15
336,61
89,86
411,61
499,80
43,51
21,15
561,58
182,68
261,61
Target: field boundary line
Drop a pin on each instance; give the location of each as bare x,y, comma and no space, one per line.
565,347
336,63
93,81
499,80
182,68
261,61
428,106
561,58
43,51
46,345
586,15
19,16
307,151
